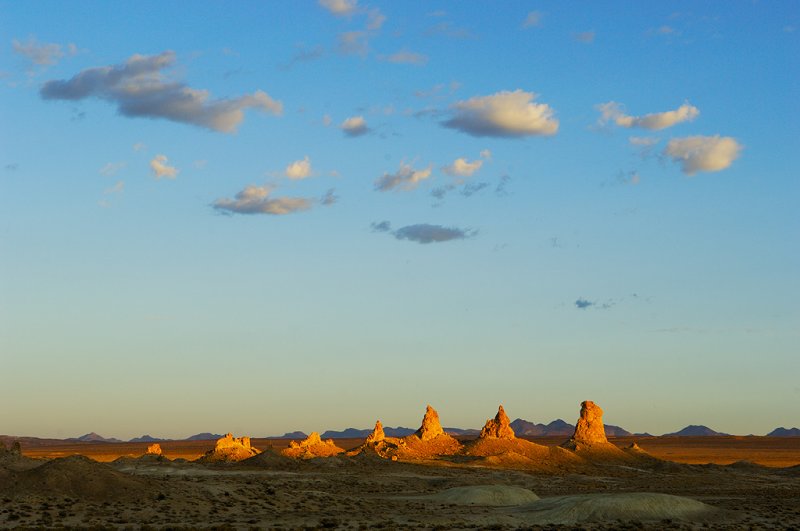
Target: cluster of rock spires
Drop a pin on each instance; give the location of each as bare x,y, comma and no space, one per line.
497,444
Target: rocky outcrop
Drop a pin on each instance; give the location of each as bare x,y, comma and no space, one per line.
377,434
154,449
312,446
498,427
230,448
431,427
589,429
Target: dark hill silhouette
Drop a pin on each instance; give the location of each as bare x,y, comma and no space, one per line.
204,437
784,432
559,427
146,438
695,431
93,437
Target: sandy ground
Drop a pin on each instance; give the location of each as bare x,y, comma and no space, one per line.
364,493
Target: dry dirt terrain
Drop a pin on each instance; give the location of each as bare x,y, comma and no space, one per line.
661,486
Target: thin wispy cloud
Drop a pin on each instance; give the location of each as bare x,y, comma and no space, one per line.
586,37
703,153
533,20
405,57
112,168
139,88
162,170
42,53
258,200
406,178
354,126
118,188
424,233
503,114
340,8
613,112
329,198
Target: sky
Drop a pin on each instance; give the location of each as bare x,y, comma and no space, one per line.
261,217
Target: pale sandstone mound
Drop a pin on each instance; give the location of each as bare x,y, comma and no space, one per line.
230,449
429,440
377,443
312,446
153,449
622,507
487,495
499,427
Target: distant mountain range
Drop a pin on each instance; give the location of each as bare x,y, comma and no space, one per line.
559,427
205,436
145,438
695,431
783,432
94,438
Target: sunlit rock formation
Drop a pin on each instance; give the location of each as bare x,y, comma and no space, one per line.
589,429
154,449
230,448
377,434
431,427
498,427
312,446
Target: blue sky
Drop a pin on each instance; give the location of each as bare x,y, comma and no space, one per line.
262,217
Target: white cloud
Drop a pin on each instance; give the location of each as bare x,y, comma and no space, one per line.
504,114
161,169
585,37
406,178
406,57
139,89
139,146
340,8
112,168
486,154
41,53
613,112
461,168
256,200
643,141
299,169
703,153
355,126
533,20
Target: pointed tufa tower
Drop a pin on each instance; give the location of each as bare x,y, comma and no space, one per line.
499,427
431,427
589,429
377,434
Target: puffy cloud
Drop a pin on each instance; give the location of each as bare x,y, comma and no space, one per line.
533,20
613,112
504,114
461,168
340,8
161,169
139,89
406,178
355,126
256,200
703,153
41,53
406,57
299,169
425,233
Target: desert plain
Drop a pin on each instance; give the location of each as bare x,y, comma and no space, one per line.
428,480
